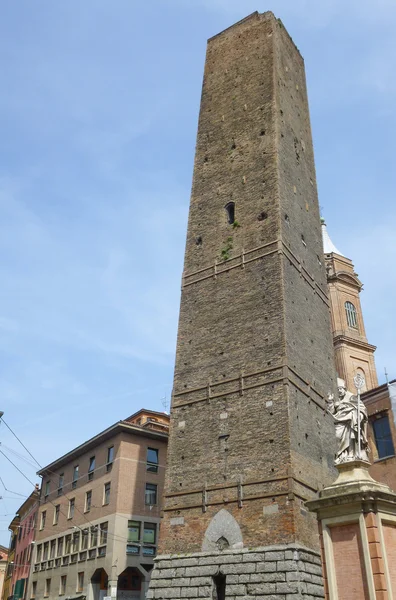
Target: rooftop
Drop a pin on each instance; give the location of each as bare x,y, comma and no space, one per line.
328,246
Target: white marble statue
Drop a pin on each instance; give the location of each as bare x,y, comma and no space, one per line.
344,410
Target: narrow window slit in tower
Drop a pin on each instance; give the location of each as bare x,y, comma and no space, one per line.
219,582
230,208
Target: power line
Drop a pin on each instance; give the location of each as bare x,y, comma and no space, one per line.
120,538
22,444
11,492
20,456
19,470
115,537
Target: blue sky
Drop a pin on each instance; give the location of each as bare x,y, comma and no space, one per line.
98,113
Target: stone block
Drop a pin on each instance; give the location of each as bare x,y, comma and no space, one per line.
261,588
286,565
166,593
253,557
236,590
266,567
314,569
201,571
287,587
269,556
189,592
273,577
315,590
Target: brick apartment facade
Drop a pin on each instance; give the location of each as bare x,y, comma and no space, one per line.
7,582
99,515
382,434
24,545
3,566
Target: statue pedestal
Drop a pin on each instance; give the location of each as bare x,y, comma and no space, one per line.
357,525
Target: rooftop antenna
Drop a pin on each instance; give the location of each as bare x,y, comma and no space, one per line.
165,404
386,376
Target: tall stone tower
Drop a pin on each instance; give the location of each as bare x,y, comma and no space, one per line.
353,353
250,440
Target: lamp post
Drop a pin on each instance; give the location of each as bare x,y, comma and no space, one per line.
359,382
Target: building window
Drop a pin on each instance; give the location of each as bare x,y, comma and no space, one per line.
152,460
60,547
76,542
34,589
67,544
62,585
110,457
43,519
150,497
80,582
131,549
56,514
38,552
84,539
134,531
149,532
94,536
75,477
60,484
103,529
91,468
149,551
106,495
88,501
102,551
230,210
47,588
72,503
383,436
47,489
52,548
351,315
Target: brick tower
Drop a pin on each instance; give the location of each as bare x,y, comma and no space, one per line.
353,353
250,440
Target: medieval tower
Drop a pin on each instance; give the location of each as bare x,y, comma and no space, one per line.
250,440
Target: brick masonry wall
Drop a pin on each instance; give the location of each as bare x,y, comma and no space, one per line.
254,354
390,546
349,562
271,572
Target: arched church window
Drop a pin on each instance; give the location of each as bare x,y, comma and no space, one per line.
351,315
230,208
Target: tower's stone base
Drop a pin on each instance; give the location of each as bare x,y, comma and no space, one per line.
267,573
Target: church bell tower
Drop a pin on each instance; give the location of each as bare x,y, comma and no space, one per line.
250,439
353,353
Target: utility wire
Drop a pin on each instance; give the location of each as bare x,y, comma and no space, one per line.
14,465
22,444
96,527
52,472
11,492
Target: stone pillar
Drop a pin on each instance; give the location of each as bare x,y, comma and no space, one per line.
357,527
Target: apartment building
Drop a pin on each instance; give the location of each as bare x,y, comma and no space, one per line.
3,566
382,433
7,581
22,528
99,515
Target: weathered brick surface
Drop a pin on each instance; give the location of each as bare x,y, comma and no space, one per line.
249,432
254,352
